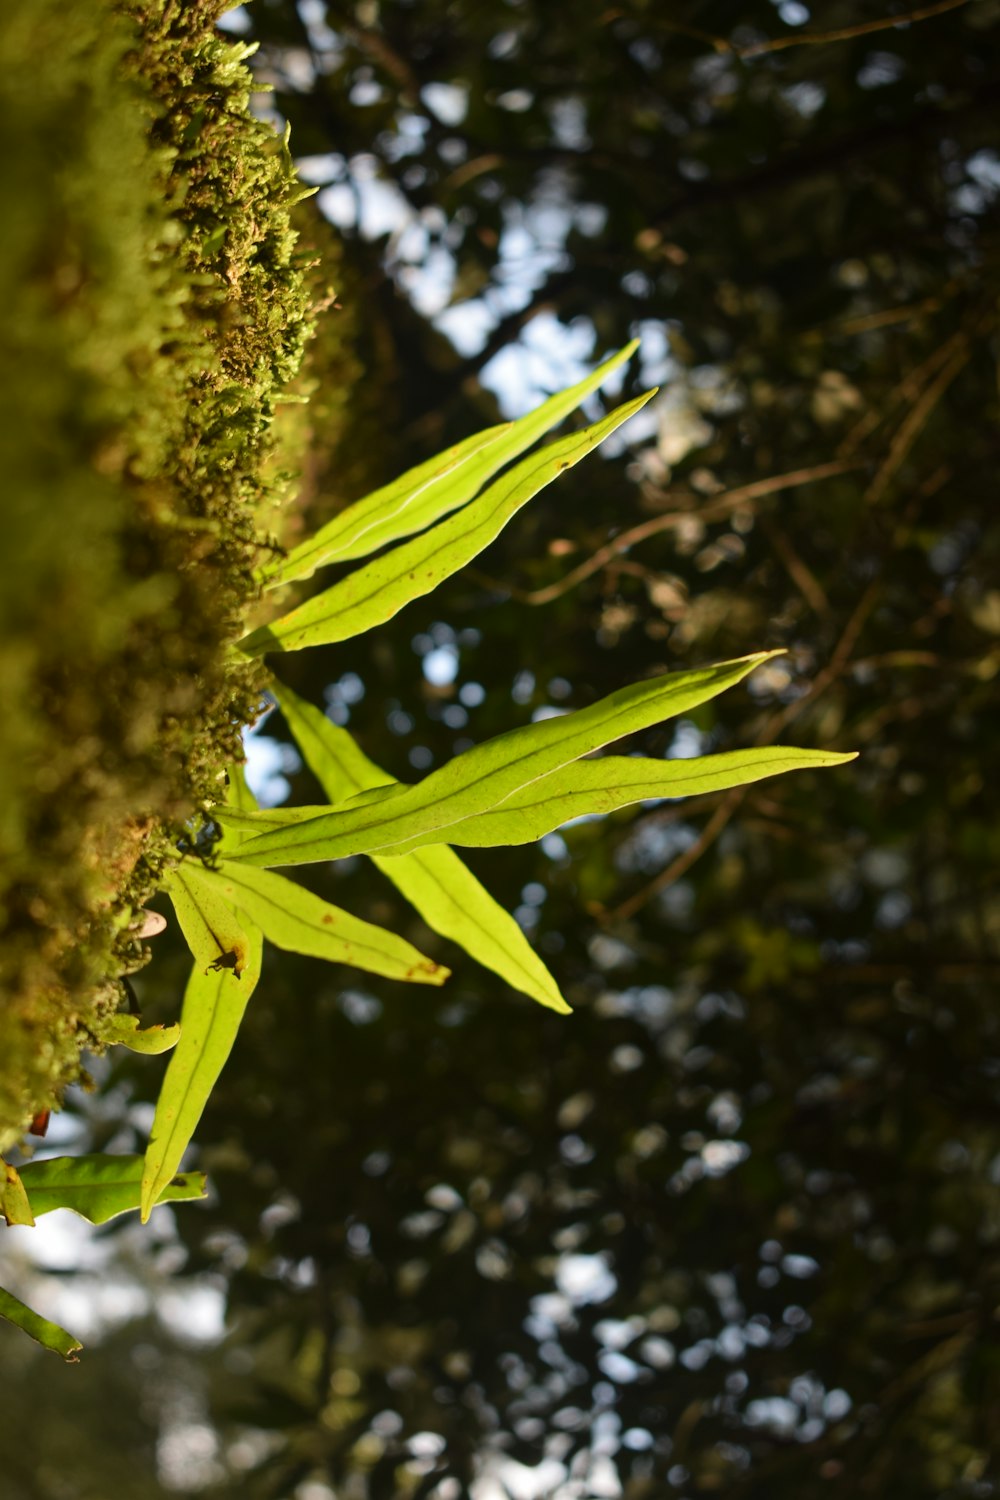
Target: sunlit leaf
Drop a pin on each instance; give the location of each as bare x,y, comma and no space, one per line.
238,793
214,1003
210,926
433,489
590,787
124,1030
99,1188
435,881
49,1335
14,1205
485,775
408,504
301,922
373,594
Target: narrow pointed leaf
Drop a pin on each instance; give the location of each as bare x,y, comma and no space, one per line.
592,787
214,1002
373,594
414,500
124,1030
301,922
99,1188
434,488
487,774
238,793
210,926
49,1335
454,903
238,825
435,881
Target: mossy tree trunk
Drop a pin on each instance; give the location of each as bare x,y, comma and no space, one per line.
156,309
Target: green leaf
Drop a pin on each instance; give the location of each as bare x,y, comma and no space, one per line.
301,922
209,924
14,1205
214,1003
487,774
592,787
238,825
99,1188
433,489
49,1335
373,594
239,797
123,1030
435,881
408,504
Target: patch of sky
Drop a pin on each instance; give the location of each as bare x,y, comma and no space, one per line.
619,1368
585,1279
440,665
348,689
651,846
549,356
523,686
676,423
313,14
791,12
805,98
720,1157
360,1009
327,167
777,1413
687,744
608,952
399,721
269,763
298,70
406,138
984,169
568,119
447,102
102,1295
554,847
187,1456
237,22
366,92
880,69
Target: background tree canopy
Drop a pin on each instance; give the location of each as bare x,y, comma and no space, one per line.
734,1228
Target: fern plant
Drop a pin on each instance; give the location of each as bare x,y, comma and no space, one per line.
509,790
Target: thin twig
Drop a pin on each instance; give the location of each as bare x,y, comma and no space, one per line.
680,866
714,510
909,429
908,389
801,575
865,322
833,669
848,33
902,658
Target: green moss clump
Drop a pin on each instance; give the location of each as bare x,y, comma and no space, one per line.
156,308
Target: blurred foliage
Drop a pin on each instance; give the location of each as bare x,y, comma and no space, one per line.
733,1228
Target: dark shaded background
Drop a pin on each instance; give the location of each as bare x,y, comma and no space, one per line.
733,1228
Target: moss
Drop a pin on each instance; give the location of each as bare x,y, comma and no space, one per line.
158,306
